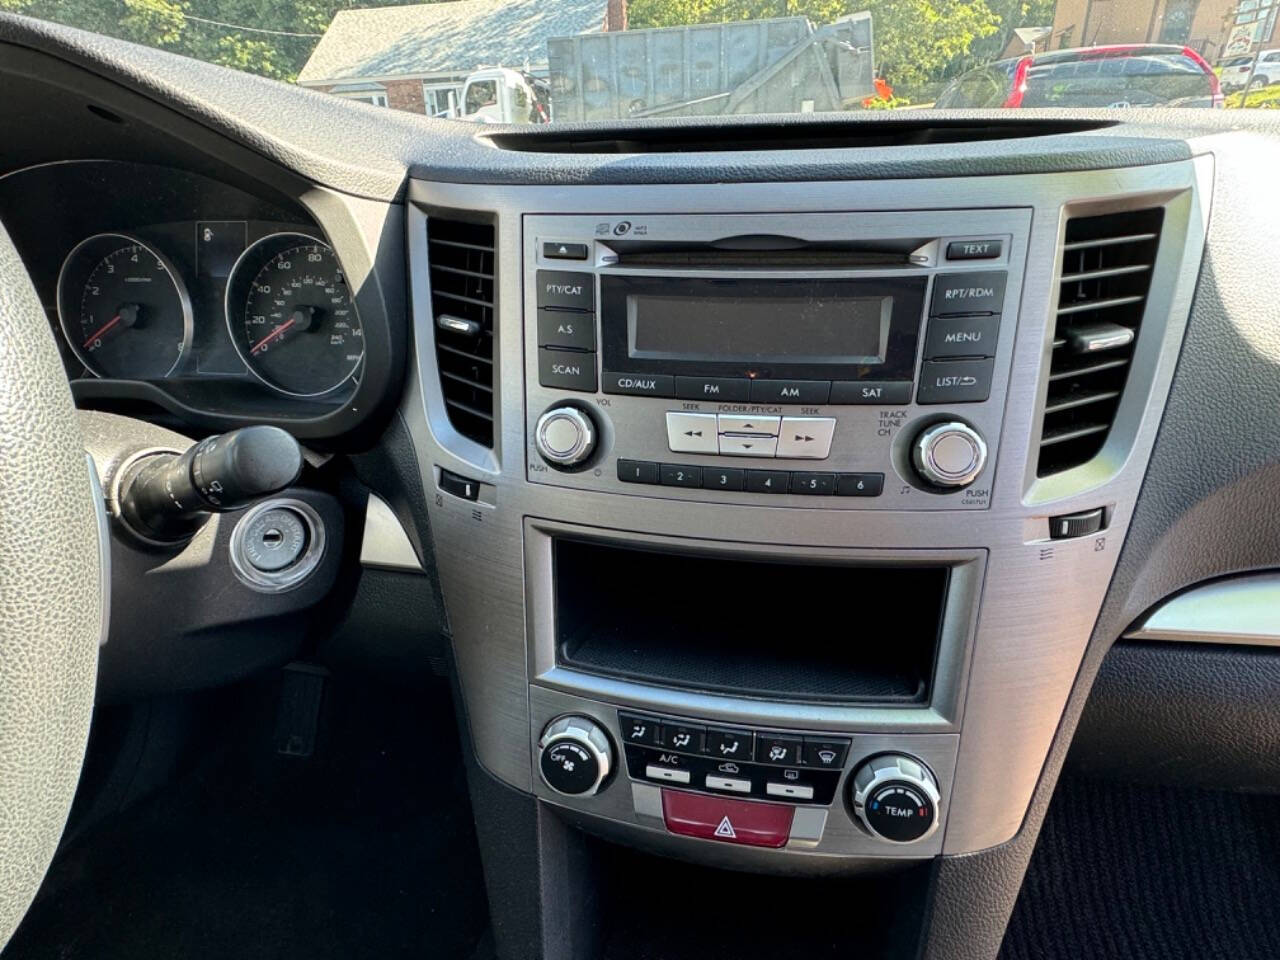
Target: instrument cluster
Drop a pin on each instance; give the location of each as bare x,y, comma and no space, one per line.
213,299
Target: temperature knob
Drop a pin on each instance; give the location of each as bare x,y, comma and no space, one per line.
565,436
576,756
896,798
949,454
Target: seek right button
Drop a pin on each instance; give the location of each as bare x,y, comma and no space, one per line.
955,381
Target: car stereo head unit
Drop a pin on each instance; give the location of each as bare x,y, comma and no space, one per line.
773,328
860,357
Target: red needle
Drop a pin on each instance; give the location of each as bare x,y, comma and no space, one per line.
273,334
105,327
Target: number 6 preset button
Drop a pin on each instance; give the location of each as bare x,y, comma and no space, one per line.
674,475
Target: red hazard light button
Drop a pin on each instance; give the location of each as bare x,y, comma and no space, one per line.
732,821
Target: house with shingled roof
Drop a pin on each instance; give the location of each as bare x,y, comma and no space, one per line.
417,57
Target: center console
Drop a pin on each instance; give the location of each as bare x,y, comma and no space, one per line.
751,547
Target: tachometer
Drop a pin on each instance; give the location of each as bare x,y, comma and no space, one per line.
291,316
123,309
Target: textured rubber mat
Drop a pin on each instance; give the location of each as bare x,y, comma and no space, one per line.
1136,872
365,850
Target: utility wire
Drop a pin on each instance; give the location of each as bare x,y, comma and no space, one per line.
235,26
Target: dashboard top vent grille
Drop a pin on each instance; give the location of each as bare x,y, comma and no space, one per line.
1107,263
463,299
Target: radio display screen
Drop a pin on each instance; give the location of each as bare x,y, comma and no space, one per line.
802,328
759,329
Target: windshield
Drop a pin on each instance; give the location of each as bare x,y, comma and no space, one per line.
549,61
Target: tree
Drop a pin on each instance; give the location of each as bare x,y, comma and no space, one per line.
916,41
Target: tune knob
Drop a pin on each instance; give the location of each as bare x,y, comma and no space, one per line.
565,436
576,756
949,454
896,798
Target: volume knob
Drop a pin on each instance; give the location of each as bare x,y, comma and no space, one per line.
576,756
949,454
896,798
565,437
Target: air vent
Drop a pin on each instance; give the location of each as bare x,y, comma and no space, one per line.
463,296
1106,272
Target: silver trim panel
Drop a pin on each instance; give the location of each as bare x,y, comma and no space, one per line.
104,547
1241,610
385,544
1039,600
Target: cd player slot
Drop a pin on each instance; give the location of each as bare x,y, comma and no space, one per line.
771,252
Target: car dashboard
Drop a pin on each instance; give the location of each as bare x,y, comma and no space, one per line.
764,598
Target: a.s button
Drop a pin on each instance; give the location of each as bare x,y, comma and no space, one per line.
558,328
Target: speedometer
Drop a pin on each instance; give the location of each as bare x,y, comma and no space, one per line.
291,316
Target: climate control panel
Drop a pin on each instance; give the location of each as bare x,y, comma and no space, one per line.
743,785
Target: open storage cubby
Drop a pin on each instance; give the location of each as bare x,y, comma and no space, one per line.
704,912
753,626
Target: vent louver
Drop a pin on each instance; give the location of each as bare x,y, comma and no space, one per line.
1107,263
463,297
